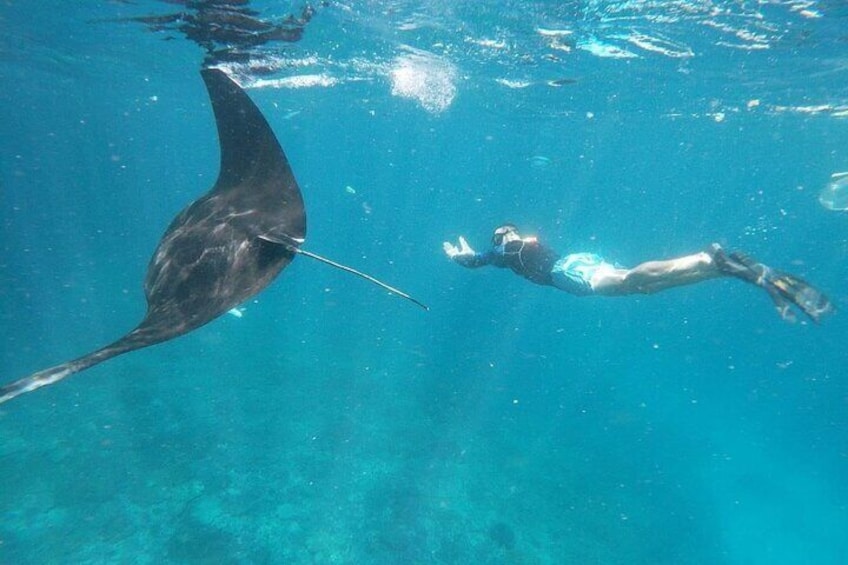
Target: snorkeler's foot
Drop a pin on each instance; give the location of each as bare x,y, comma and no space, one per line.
736,264
714,250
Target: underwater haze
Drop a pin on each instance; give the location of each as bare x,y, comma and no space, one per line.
331,422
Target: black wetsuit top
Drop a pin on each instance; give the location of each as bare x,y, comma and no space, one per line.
529,258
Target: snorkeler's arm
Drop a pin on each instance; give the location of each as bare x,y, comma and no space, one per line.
464,255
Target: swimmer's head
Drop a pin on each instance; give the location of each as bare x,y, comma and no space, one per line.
504,234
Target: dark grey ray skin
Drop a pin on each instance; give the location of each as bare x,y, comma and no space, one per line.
223,248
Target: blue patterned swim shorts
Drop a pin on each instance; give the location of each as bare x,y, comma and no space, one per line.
573,273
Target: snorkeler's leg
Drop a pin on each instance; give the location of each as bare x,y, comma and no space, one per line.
655,276
783,288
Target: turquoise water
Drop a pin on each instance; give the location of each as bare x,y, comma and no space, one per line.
333,423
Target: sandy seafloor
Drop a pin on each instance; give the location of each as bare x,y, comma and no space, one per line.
512,423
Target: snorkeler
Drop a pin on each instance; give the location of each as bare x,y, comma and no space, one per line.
585,274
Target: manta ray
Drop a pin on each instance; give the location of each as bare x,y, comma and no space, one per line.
222,248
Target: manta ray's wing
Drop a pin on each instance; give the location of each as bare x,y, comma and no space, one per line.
255,173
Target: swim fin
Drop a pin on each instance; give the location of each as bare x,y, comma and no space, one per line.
812,302
783,288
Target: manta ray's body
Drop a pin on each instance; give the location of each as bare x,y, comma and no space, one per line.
223,248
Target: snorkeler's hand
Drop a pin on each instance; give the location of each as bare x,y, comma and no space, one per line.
453,251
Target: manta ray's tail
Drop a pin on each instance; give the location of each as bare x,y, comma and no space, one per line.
36,380
59,372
